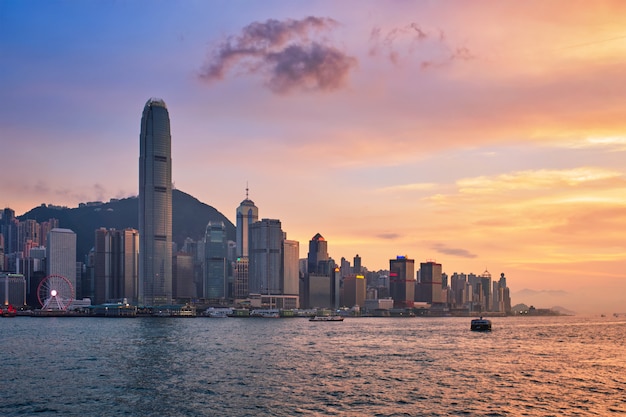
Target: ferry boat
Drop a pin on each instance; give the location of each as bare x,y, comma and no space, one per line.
266,313
326,318
481,325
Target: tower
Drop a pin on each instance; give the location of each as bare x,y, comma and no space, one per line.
266,257
430,287
155,205
61,254
402,282
247,213
215,263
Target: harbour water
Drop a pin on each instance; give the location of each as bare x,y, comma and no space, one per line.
527,366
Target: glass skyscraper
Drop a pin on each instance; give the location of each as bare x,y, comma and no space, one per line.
155,205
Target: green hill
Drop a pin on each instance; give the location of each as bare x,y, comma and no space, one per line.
189,219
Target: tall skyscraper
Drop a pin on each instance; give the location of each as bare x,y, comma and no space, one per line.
115,266
61,255
155,205
402,282
266,257
429,288
215,283
247,213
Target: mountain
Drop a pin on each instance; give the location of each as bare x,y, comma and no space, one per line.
189,219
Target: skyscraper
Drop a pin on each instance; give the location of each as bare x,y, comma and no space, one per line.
61,255
429,288
402,282
266,257
247,213
115,265
155,205
215,283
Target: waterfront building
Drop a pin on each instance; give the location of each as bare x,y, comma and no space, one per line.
247,214
429,289
115,265
12,290
155,205
61,255
266,257
402,281
183,285
291,269
354,290
215,283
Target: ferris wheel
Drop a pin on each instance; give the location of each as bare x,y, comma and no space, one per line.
55,292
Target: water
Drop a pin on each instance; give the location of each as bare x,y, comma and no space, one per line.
532,366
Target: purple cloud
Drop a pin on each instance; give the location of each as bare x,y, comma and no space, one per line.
463,253
285,53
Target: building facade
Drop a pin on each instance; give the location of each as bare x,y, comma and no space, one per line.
266,257
402,281
155,205
215,261
61,255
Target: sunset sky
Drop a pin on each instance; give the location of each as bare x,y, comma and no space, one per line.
483,135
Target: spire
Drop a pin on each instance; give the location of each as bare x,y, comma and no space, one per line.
246,190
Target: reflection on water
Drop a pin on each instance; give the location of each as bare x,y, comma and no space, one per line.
366,366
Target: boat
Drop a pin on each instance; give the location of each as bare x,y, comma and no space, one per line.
481,325
326,318
266,313
10,311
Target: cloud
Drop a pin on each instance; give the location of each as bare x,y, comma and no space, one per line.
402,42
285,53
463,253
388,236
418,186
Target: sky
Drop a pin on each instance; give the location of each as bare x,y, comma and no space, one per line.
484,135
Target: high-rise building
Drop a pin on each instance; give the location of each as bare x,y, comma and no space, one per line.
357,265
318,256
215,262
183,285
116,262
429,287
291,269
247,213
402,282
61,255
354,290
155,205
266,257
12,290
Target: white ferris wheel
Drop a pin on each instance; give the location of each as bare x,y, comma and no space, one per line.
55,292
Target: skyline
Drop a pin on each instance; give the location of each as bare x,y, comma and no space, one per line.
486,137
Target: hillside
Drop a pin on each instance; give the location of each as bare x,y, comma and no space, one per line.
189,219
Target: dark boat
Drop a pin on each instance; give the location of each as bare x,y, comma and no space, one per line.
481,325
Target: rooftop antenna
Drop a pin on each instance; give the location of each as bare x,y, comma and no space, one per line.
246,190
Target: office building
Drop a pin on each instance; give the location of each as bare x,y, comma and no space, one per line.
291,268
215,261
429,288
354,290
247,213
183,285
12,290
61,255
155,205
266,257
402,282
116,265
